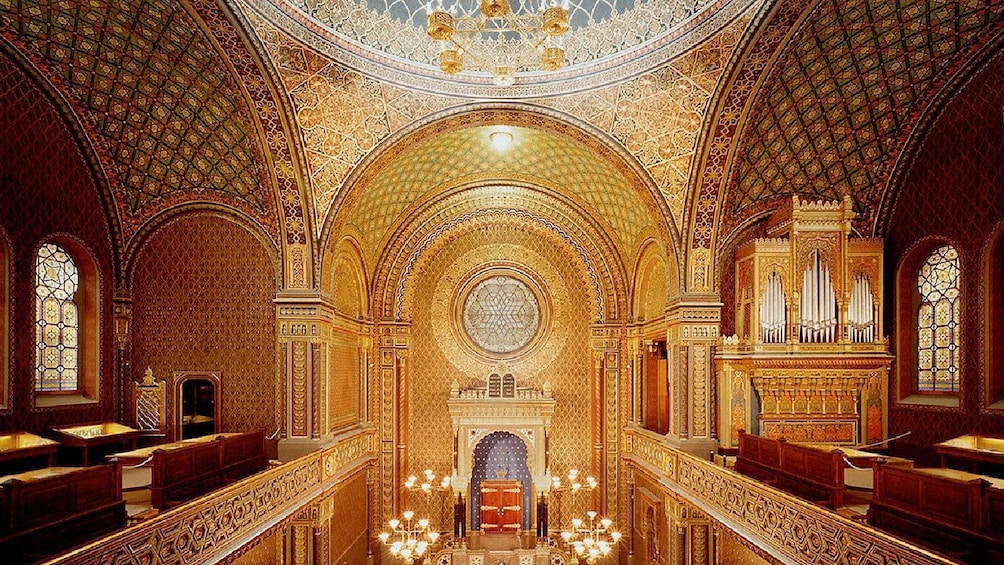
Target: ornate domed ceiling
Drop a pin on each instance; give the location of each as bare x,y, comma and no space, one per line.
609,40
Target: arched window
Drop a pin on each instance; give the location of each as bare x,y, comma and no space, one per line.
938,322
57,320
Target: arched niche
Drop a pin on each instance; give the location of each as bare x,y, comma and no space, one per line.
197,404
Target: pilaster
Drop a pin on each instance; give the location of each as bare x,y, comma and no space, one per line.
392,341
692,328
308,534
122,322
302,325
606,344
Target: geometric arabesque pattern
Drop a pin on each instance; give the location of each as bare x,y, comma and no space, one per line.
461,154
344,115
501,314
202,306
844,96
435,362
151,84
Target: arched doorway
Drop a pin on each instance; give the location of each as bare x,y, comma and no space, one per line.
500,455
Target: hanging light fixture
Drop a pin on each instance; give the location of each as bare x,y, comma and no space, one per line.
409,539
591,541
487,35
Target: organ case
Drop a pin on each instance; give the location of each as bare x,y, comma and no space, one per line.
808,361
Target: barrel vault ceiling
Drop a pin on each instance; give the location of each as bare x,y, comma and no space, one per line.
271,107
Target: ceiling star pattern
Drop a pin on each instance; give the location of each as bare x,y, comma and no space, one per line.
172,117
839,105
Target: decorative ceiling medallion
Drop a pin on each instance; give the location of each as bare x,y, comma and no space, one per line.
499,313
387,40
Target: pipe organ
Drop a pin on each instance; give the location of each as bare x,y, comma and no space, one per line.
808,361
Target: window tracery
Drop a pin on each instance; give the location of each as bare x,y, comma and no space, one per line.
57,320
938,322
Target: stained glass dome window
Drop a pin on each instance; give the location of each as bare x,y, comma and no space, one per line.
501,314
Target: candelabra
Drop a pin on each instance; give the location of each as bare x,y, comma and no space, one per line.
572,487
428,487
409,540
591,541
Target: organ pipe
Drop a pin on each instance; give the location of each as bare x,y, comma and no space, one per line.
773,315
818,304
861,312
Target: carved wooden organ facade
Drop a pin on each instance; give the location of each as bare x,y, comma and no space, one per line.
808,361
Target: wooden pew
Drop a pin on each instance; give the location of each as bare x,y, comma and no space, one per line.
808,472
982,454
758,457
955,512
243,455
182,474
189,470
45,511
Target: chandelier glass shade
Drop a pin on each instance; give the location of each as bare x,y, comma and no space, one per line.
593,540
490,36
409,539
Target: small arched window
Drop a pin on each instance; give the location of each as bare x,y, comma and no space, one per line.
938,318
57,320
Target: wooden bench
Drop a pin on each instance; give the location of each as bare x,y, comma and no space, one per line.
982,454
808,472
45,511
184,472
955,512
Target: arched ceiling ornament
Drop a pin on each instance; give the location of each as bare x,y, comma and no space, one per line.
540,211
148,81
445,150
840,103
820,101
610,41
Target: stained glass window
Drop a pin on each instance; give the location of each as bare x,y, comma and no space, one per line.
938,322
56,320
501,314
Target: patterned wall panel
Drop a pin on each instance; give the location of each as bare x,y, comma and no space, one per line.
347,528
838,106
202,306
436,360
650,287
267,551
954,188
46,187
153,89
343,385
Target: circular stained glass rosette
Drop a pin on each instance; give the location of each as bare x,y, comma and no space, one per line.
501,314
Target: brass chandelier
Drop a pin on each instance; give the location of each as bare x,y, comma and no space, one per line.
488,35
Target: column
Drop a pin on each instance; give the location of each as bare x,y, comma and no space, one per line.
693,323
392,341
122,320
302,328
606,344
